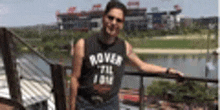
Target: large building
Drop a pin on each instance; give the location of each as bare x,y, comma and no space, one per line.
136,18
201,23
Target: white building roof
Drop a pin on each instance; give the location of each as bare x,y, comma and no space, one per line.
32,91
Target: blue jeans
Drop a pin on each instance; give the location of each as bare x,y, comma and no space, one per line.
83,104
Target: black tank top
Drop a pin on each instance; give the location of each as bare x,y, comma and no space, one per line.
103,67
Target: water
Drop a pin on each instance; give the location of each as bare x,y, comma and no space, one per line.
191,65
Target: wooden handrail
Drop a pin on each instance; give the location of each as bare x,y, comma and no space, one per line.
9,61
171,76
30,47
168,76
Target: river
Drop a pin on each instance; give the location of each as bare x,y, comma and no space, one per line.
191,65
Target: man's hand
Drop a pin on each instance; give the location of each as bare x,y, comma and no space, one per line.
173,71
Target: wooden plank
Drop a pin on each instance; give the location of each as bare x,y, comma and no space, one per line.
7,104
58,86
10,65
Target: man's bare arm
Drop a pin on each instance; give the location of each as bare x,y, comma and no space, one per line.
77,65
143,66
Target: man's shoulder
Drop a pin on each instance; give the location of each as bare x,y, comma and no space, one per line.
80,43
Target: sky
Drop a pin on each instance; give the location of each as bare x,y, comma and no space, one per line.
15,13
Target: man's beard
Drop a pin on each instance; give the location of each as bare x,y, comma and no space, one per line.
111,32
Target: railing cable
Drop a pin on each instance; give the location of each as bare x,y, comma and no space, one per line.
26,44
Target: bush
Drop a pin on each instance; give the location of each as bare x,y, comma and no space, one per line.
197,91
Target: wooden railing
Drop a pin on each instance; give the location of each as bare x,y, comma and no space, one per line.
142,75
13,78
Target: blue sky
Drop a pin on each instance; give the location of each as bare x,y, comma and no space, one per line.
32,12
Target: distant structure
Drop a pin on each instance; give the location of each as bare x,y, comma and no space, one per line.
163,19
136,19
201,23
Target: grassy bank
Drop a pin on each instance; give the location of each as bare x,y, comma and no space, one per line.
53,41
173,43
207,39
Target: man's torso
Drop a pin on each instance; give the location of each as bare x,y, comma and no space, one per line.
103,68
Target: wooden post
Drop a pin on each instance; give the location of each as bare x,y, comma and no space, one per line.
10,65
58,86
141,94
7,104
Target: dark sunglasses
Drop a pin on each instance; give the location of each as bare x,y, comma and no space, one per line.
117,19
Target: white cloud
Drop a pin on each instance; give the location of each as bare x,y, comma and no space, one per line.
3,9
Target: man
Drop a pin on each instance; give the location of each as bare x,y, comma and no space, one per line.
98,64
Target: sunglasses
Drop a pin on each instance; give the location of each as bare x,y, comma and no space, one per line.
117,19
